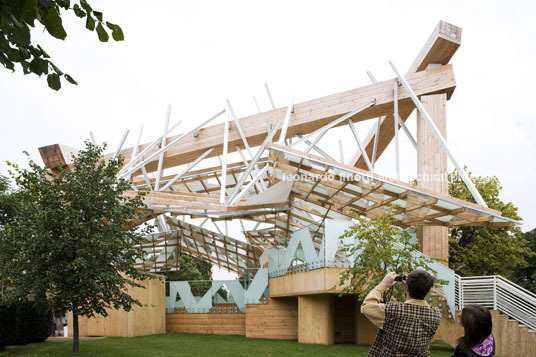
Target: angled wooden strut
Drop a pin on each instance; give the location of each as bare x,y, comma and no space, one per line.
438,50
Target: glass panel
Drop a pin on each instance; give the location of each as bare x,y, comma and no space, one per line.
218,296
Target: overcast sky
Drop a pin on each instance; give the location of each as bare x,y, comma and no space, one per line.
196,54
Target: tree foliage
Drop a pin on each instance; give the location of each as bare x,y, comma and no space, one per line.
8,203
70,236
526,276
380,247
192,268
484,250
17,17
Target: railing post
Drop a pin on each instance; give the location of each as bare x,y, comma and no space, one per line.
495,292
460,289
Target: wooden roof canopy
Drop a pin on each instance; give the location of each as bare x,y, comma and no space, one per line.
267,198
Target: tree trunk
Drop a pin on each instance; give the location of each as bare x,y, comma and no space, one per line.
75,334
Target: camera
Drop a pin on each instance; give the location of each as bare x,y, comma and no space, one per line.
401,278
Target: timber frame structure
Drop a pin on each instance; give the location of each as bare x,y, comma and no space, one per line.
274,179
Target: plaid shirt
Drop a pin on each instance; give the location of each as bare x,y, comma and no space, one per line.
407,331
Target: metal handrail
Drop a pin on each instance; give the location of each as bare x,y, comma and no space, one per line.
498,293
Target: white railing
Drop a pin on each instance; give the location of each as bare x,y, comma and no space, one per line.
498,293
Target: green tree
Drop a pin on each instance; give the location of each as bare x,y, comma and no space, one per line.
526,277
484,250
192,268
18,16
72,241
380,247
8,203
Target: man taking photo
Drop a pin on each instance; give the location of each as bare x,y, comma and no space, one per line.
406,328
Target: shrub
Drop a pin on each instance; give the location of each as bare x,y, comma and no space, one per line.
7,323
24,322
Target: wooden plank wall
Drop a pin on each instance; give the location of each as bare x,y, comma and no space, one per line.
277,320
214,324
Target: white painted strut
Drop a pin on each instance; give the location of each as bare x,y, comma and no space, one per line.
290,109
269,95
168,146
223,180
249,185
144,151
120,145
188,168
395,116
325,128
161,158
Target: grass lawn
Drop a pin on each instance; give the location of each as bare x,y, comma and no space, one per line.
175,344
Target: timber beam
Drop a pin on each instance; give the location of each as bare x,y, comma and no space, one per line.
438,50
307,117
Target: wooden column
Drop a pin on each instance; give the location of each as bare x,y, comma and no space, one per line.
365,331
432,171
315,319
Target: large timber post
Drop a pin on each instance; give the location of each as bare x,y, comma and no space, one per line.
432,171
315,319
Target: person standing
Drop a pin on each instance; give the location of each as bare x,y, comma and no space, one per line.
406,328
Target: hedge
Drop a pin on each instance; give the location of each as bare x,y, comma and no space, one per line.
23,322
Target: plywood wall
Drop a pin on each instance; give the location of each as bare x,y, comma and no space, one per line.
148,319
278,319
315,314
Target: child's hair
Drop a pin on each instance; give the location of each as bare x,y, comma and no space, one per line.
476,322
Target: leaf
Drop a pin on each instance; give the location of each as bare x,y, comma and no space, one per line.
86,6
44,3
4,44
117,32
6,62
14,9
90,23
66,4
54,25
78,11
14,55
98,15
21,35
25,67
70,79
54,81
28,12
39,66
103,35
24,53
